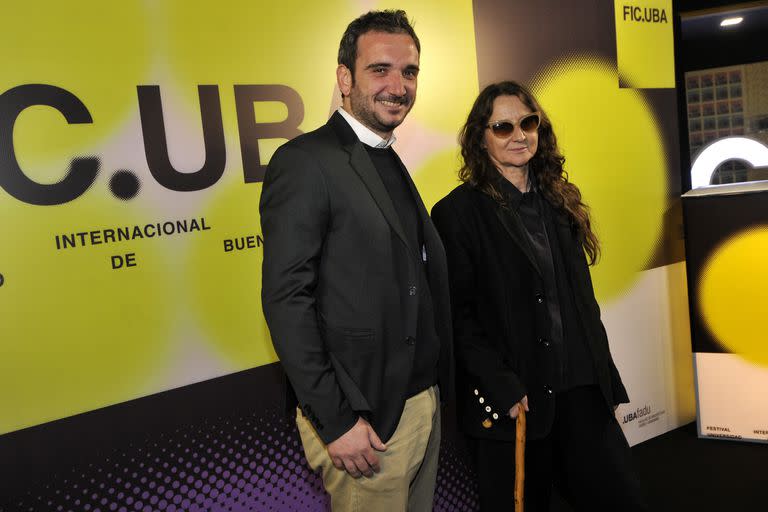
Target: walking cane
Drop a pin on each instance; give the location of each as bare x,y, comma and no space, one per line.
519,460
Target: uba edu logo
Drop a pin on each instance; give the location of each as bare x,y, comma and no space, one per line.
640,412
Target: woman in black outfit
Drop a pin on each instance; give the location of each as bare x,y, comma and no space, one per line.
527,326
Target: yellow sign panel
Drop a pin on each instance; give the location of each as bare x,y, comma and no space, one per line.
644,43
628,242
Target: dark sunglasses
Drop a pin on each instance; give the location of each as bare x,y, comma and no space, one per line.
528,123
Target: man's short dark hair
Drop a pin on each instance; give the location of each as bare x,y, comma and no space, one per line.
390,21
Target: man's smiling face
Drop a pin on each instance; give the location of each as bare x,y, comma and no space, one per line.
384,86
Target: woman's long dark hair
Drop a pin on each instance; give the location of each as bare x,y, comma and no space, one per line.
546,165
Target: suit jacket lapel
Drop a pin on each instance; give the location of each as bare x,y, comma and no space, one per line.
363,166
514,227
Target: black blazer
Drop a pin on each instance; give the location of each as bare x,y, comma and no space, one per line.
501,319
339,282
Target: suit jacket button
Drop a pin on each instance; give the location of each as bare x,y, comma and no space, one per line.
548,390
411,290
410,340
544,342
539,298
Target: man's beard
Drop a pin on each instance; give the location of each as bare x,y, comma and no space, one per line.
368,116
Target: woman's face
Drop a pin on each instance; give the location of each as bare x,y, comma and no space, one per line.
514,149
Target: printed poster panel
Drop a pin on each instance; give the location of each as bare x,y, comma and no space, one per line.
134,141
727,234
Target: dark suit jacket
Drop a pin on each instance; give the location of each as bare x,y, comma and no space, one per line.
501,318
339,282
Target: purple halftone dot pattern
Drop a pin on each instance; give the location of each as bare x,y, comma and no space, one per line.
228,464
456,490
236,464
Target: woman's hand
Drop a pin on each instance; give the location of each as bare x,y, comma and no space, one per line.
515,410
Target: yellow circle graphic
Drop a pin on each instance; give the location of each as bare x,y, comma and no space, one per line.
76,335
615,155
733,293
224,271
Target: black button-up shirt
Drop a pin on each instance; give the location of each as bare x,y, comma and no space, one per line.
566,334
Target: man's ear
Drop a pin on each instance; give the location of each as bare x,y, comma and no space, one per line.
344,79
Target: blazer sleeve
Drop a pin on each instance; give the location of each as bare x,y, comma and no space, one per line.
476,355
295,215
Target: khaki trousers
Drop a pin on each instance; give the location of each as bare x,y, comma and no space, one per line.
408,473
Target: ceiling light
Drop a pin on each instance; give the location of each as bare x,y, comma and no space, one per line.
727,22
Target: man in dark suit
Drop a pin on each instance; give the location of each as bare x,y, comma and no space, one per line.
354,283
